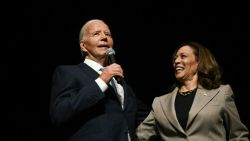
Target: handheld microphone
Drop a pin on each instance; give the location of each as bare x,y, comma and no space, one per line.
111,58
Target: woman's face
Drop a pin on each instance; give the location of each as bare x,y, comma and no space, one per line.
185,64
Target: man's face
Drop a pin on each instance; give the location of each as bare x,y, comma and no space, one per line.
97,40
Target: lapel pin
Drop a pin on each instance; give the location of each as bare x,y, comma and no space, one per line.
205,94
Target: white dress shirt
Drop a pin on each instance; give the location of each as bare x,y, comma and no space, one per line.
103,86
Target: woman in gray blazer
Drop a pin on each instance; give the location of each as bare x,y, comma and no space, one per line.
199,108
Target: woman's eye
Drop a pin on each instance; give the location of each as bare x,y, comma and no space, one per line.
108,34
183,56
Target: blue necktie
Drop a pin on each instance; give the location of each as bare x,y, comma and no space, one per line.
112,82
113,85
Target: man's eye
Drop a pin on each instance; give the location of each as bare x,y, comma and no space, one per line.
96,33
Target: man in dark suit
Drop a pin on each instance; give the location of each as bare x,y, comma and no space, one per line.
84,102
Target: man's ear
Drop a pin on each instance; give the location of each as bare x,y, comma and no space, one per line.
83,50
82,47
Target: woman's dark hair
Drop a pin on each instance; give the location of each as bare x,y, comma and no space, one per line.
209,71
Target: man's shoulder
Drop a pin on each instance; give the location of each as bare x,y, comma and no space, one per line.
67,68
74,66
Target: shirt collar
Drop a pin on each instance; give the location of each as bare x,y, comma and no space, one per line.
93,64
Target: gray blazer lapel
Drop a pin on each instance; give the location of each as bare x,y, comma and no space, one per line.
168,106
202,98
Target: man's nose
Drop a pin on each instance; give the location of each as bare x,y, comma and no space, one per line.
103,35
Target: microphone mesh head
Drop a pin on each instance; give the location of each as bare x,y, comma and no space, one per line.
110,51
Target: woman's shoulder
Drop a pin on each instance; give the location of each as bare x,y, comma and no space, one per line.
164,97
221,87
168,94
225,87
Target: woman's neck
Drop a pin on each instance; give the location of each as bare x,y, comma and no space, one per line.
188,85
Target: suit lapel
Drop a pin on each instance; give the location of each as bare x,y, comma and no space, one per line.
168,106
202,98
91,73
125,94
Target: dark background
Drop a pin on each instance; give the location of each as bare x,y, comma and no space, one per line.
145,35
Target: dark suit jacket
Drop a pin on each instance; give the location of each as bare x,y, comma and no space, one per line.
86,113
